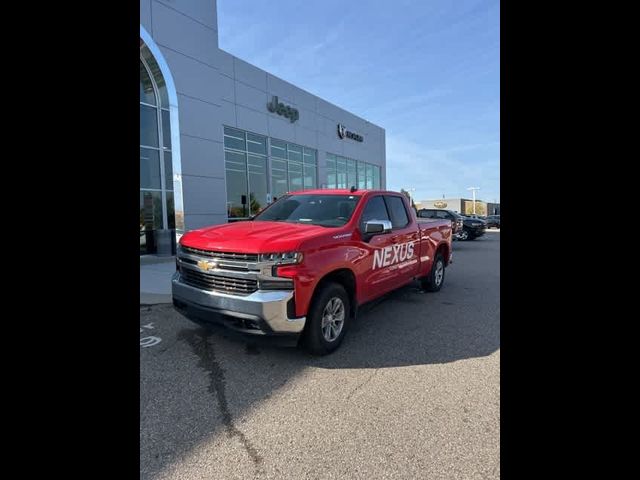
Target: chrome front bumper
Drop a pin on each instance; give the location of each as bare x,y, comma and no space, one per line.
264,312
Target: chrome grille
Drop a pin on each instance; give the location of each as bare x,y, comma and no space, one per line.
244,257
219,283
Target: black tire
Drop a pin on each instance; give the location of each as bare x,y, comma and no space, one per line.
464,235
314,335
434,281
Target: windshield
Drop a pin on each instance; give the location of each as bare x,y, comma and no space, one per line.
323,210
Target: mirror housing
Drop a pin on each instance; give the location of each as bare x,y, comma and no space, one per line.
376,227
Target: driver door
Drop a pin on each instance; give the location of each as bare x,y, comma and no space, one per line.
378,279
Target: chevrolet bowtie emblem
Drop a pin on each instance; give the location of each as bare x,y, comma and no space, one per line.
206,265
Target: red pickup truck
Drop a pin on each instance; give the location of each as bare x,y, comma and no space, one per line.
304,265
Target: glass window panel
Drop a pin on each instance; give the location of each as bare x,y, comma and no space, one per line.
295,153
278,148
369,176
234,138
162,90
362,184
150,210
310,176
237,188
166,129
147,95
351,173
156,74
171,214
331,171
341,170
168,171
399,217
257,183
295,177
236,161
149,168
310,157
376,177
148,126
257,143
374,210
278,178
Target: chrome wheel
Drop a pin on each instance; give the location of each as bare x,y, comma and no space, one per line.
439,273
463,235
332,319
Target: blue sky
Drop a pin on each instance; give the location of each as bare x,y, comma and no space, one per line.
426,71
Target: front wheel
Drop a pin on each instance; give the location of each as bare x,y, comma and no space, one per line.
463,235
434,281
327,320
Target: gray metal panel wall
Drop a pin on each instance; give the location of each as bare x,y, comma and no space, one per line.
215,89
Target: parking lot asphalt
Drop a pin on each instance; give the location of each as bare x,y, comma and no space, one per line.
413,392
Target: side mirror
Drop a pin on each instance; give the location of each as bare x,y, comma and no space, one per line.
374,227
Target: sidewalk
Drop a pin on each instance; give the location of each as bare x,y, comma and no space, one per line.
155,279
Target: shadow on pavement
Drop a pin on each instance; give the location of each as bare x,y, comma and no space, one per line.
183,402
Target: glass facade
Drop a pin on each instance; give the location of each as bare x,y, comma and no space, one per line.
245,157
345,173
156,173
257,166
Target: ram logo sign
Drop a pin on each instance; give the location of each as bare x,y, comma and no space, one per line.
440,204
387,256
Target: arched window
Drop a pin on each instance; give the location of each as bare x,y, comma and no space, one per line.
157,216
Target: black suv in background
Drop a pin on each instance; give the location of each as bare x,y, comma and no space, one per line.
474,227
493,221
466,228
456,220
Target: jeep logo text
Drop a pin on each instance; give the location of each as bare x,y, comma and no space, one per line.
281,109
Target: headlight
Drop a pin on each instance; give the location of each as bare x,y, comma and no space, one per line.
281,258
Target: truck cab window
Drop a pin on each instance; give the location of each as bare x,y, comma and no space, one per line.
374,210
399,217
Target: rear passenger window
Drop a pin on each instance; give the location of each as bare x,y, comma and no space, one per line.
399,217
375,210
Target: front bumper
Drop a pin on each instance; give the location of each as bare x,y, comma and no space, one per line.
477,231
260,313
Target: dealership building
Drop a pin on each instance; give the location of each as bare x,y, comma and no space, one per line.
461,205
220,138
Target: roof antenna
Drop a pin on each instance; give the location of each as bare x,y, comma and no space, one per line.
353,188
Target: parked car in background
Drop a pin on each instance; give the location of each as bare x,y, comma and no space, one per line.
472,228
493,221
456,219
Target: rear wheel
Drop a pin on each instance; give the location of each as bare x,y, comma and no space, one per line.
327,320
434,281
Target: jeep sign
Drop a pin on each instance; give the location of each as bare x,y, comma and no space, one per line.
281,109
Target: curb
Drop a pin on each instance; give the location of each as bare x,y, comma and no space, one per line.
154,298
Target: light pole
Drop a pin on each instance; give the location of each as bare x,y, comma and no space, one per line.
473,189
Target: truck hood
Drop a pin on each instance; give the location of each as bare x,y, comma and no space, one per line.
252,237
